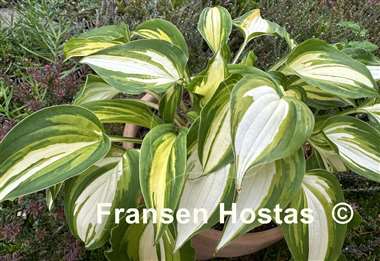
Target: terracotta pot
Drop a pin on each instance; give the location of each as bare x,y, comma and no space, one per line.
205,243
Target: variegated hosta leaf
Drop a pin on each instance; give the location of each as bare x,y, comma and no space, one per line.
317,98
331,160
371,61
169,103
208,81
113,181
48,147
131,111
357,143
51,195
96,40
95,89
214,140
265,186
162,30
140,65
322,65
253,25
215,25
265,124
136,243
163,170
323,238
373,111
203,192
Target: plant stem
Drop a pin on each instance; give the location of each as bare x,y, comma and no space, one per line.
125,139
242,47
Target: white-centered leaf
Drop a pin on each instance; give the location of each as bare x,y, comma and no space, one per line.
214,139
373,111
95,89
203,194
111,183
366,57
48,147
357,143
264,187
136,242
322,65
131,111
162,30
96,40
253,25
140,65
321,239
215,25
265,124
163,170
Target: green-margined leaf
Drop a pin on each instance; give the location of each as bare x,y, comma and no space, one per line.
48,147
197,195
192,136
131,111
322,65
214,140
111,183
208,81
357,143
317,98
136,243
169,103
95,89
321,239
365,57
140,65
266,125
215,25
253,25
96,40
162,30
265,186
373,111
51,195
163,170
331,160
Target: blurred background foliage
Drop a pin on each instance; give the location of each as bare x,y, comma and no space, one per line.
33,74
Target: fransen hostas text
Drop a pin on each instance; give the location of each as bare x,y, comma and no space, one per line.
196,216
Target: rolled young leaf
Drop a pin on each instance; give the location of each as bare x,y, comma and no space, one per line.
96,40
95,89
207,82
132,111
48,147
162,30
265,186
265,124
136,243
111,183
215,25
197,195
163,170
140,65
253,25
51,195
357,143
214,139
169,103
321,239
322,65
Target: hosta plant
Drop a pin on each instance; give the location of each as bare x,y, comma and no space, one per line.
230,134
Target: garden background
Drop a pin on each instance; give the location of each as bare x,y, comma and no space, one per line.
34,74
